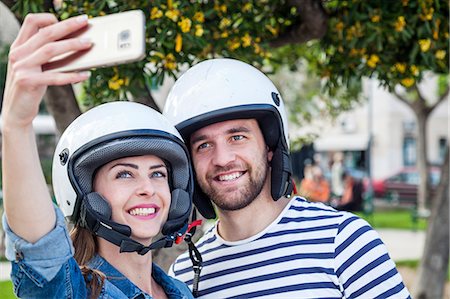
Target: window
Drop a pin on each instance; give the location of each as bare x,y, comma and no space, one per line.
409,151
442,145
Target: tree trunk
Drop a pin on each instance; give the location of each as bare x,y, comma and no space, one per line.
434,264
422,162
62,105
147,99
313,24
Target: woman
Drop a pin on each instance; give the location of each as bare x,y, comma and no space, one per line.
121,174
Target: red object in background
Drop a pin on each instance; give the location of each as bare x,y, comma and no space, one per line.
403,185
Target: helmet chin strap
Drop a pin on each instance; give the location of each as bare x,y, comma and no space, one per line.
116,233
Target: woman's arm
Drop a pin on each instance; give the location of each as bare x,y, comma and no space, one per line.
27,201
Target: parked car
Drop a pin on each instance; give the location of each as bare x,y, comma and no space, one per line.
402,186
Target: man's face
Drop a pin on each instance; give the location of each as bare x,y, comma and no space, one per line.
231,161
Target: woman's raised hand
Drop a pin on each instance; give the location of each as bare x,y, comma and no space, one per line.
40,40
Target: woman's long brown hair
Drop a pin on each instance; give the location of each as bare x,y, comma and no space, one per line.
86,247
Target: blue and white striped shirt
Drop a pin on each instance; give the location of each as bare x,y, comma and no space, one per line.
309,251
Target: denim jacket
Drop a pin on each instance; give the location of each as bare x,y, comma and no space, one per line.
47,269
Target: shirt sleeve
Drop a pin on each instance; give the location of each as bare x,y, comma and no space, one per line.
47,255
362,262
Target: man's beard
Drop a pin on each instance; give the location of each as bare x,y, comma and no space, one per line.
245,195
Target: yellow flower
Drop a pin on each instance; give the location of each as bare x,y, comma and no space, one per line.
427,13
407,82
158,54
246,40
155,13
424,44
198,30
414,70
354,52
115,82
173,14
222,8
199,17
436,32
185,24
233,44
178,43
225,22
272,30
440,54
247,7
400,24
339,26
257,49
224,34
400,67
375,18
170,62
169,4
373,60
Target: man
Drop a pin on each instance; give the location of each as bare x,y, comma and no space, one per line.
264,244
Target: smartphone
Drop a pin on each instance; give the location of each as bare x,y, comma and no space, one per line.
116,39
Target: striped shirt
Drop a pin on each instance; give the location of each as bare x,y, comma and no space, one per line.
309,251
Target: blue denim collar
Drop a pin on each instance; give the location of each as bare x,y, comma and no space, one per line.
127,287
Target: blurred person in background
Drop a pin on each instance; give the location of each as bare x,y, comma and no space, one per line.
315,188
352,197
337,169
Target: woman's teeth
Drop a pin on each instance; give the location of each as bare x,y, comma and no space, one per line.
142,211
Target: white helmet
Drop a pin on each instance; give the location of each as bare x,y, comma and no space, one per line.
223,89
106,133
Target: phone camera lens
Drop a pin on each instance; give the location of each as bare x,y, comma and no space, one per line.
124,39
124,35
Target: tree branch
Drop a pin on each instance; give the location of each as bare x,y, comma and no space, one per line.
441,99
402,98
313,23
9,4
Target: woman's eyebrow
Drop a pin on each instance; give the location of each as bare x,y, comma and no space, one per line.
126,165
137,167
157,166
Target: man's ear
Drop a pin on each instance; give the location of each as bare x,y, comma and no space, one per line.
269,154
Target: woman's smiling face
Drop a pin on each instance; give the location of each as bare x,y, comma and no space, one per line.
137,188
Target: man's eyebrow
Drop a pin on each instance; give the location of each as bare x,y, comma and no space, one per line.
241,129
198,138
234,130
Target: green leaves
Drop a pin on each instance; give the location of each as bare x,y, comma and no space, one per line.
407,37
179,33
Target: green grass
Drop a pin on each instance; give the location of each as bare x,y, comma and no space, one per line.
396,218
414,264
6,290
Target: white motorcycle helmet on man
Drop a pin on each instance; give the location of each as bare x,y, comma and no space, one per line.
106,133
224,89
